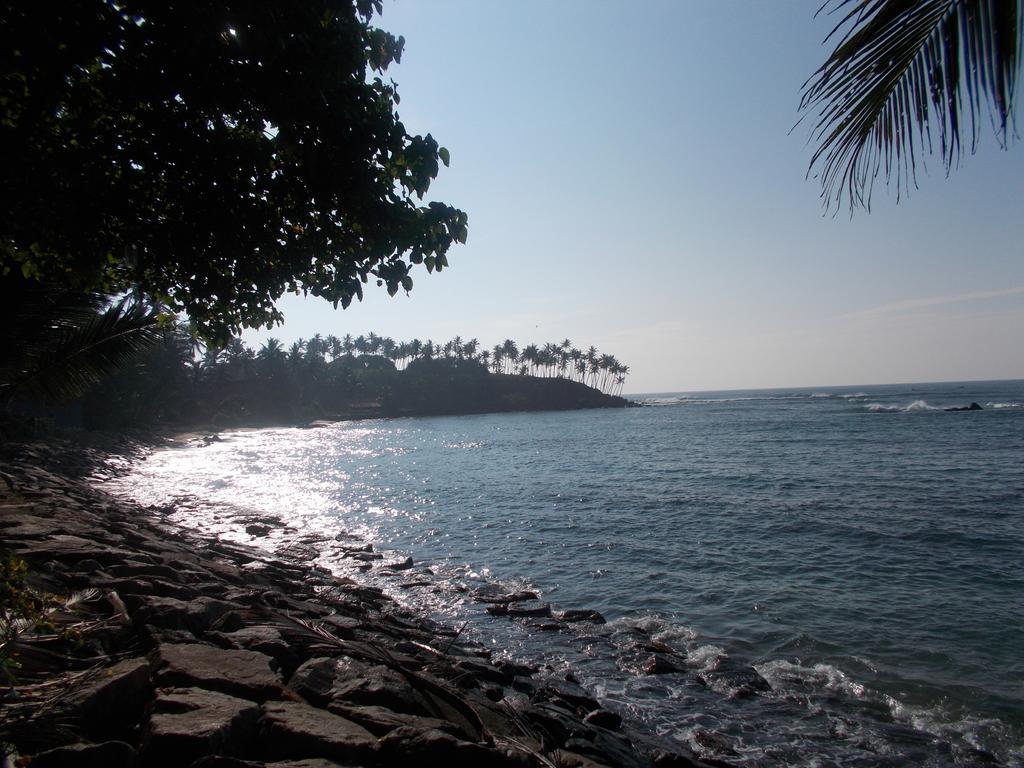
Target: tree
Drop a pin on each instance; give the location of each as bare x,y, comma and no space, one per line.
212,156
901,72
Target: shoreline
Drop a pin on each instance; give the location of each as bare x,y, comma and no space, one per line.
209,647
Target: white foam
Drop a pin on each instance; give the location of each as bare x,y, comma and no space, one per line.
781,673
921,405
705,657
1004,405
881,408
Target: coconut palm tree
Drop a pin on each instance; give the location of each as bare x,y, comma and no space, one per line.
510,354
904,73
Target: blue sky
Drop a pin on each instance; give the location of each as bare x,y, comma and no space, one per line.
633,183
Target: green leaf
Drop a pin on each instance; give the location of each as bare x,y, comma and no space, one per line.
445,157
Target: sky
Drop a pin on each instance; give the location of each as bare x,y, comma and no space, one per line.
634,182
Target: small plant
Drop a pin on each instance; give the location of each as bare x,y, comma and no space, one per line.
21,608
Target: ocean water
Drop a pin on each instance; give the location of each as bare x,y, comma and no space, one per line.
860,548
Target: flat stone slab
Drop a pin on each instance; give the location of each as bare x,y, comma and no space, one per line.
114,700
246,674
187,724
291,729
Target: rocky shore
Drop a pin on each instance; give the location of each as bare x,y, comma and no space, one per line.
166,648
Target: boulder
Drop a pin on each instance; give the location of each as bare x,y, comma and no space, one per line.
112,702
353,683
110,754
194,616
188,724
247,674
413,746
380,721
291,729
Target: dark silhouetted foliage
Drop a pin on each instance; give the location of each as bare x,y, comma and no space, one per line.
212,155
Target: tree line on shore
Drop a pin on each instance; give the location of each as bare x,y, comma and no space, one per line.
600,371
178,381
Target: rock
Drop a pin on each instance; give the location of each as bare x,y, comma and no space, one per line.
582,615
715,743
398,565
315,762
265,640
603,718
293,729
971,407
484,671
187,724
112,703
353,683
110,754
659,664
513,597
412,746
380,721
566,759
743,679
194,616
221,761
258,530
248,674
514,669
529,608
572,693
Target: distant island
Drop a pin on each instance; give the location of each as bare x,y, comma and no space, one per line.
172,384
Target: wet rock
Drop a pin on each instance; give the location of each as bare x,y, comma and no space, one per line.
258,530
398,565
603,718
659,664
572,693
714,743
743,679
529,608
512,597
188,724
294,730
515,669
582,615
112,702
110,754
483,671
247,674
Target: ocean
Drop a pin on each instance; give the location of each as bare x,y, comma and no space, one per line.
860,549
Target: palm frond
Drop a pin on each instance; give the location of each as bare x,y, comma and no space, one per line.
77,346
909,77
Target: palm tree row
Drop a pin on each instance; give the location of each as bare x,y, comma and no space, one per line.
600,371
